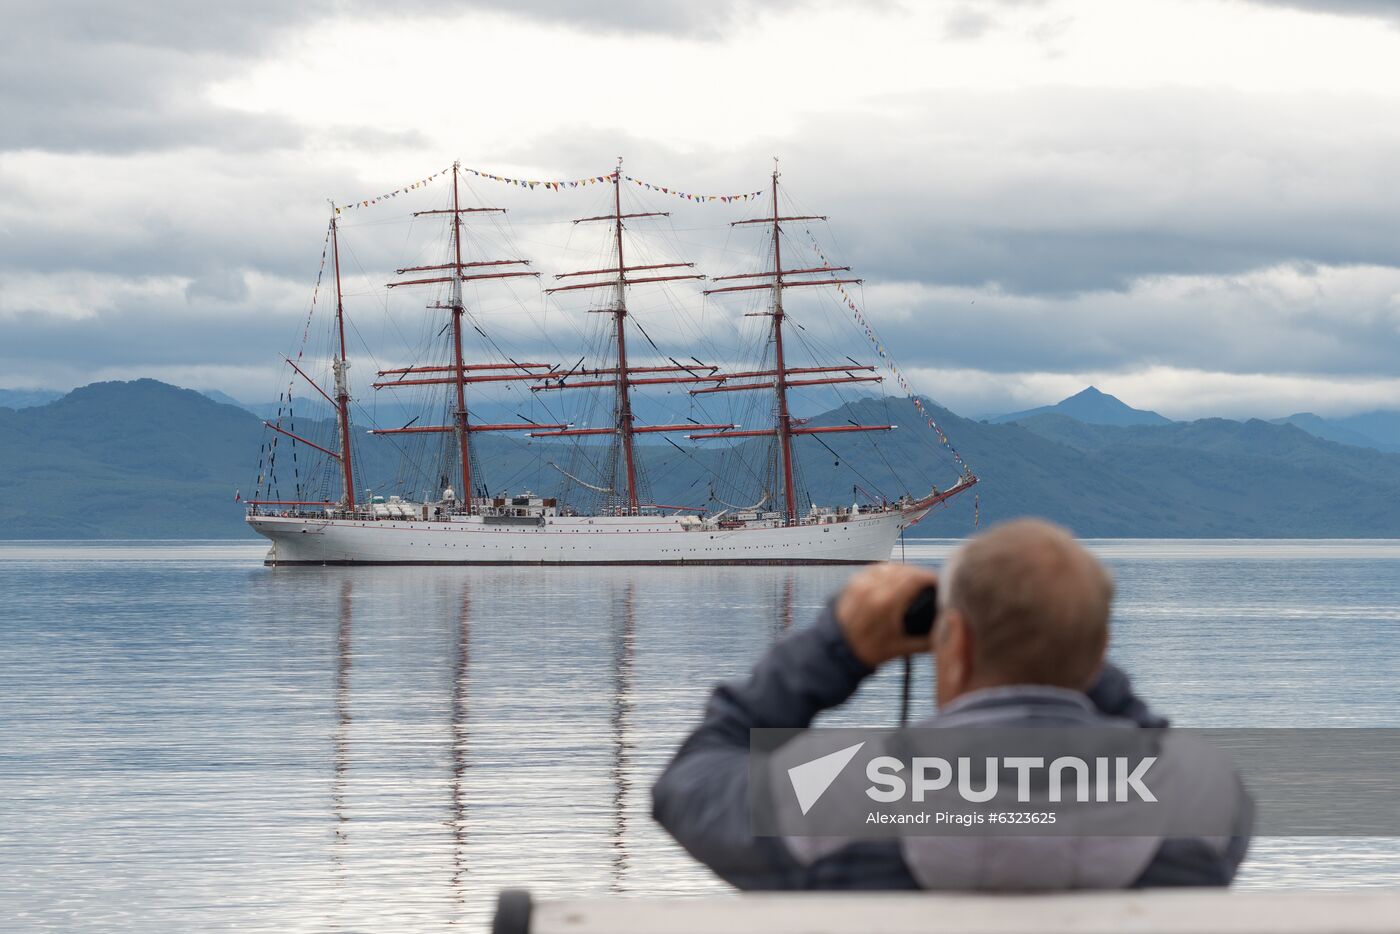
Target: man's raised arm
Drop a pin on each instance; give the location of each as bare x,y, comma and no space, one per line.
702,798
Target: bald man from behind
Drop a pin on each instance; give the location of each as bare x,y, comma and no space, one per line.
1019,641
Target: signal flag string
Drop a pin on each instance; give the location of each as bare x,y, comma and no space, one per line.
532,184
316,291
884,355
727,199
286,397
552,185
366,202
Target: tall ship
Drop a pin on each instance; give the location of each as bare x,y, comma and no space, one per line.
431,484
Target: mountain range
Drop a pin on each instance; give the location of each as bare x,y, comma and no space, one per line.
1379,429
144,459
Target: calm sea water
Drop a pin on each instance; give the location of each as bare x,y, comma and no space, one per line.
191,741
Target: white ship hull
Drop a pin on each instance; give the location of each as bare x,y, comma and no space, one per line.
304,540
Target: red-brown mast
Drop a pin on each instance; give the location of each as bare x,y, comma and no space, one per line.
342,389
624,393
460,416
457,374
621,375
780,377
786,426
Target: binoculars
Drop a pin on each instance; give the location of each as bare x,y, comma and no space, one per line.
918,618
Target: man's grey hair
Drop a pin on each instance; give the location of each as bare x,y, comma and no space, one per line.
1036,603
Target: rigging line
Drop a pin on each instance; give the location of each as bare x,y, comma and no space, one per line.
585,483
738,452
848,406
353,327
862,476
899,484
403,453
392,320
360,337
580,451
703,466
528,465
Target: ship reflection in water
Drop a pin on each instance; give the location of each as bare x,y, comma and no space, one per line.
191,741
515,694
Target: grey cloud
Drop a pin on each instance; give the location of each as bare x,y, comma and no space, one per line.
95,76
1057,191
1290,319
219,285
966,22
973,21
676,17
1234,329
173,217
173,24
1380,9
150,334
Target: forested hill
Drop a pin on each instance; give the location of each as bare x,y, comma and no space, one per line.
147,460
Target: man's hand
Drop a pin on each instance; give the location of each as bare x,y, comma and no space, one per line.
871,612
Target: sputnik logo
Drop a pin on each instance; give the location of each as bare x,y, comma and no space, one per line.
810,780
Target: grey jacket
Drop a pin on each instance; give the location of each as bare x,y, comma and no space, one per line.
702,797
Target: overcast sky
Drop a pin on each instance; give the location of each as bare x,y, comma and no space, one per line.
1193,204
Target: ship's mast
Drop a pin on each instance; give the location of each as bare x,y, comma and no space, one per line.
342,387
460,373
624,390
623,377
460,414
780,365
780,378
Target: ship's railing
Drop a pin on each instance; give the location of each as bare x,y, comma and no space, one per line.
821,517
444,514
309,511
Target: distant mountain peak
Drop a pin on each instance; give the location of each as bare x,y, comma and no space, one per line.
120,389
1092,406
27,398
1338,430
